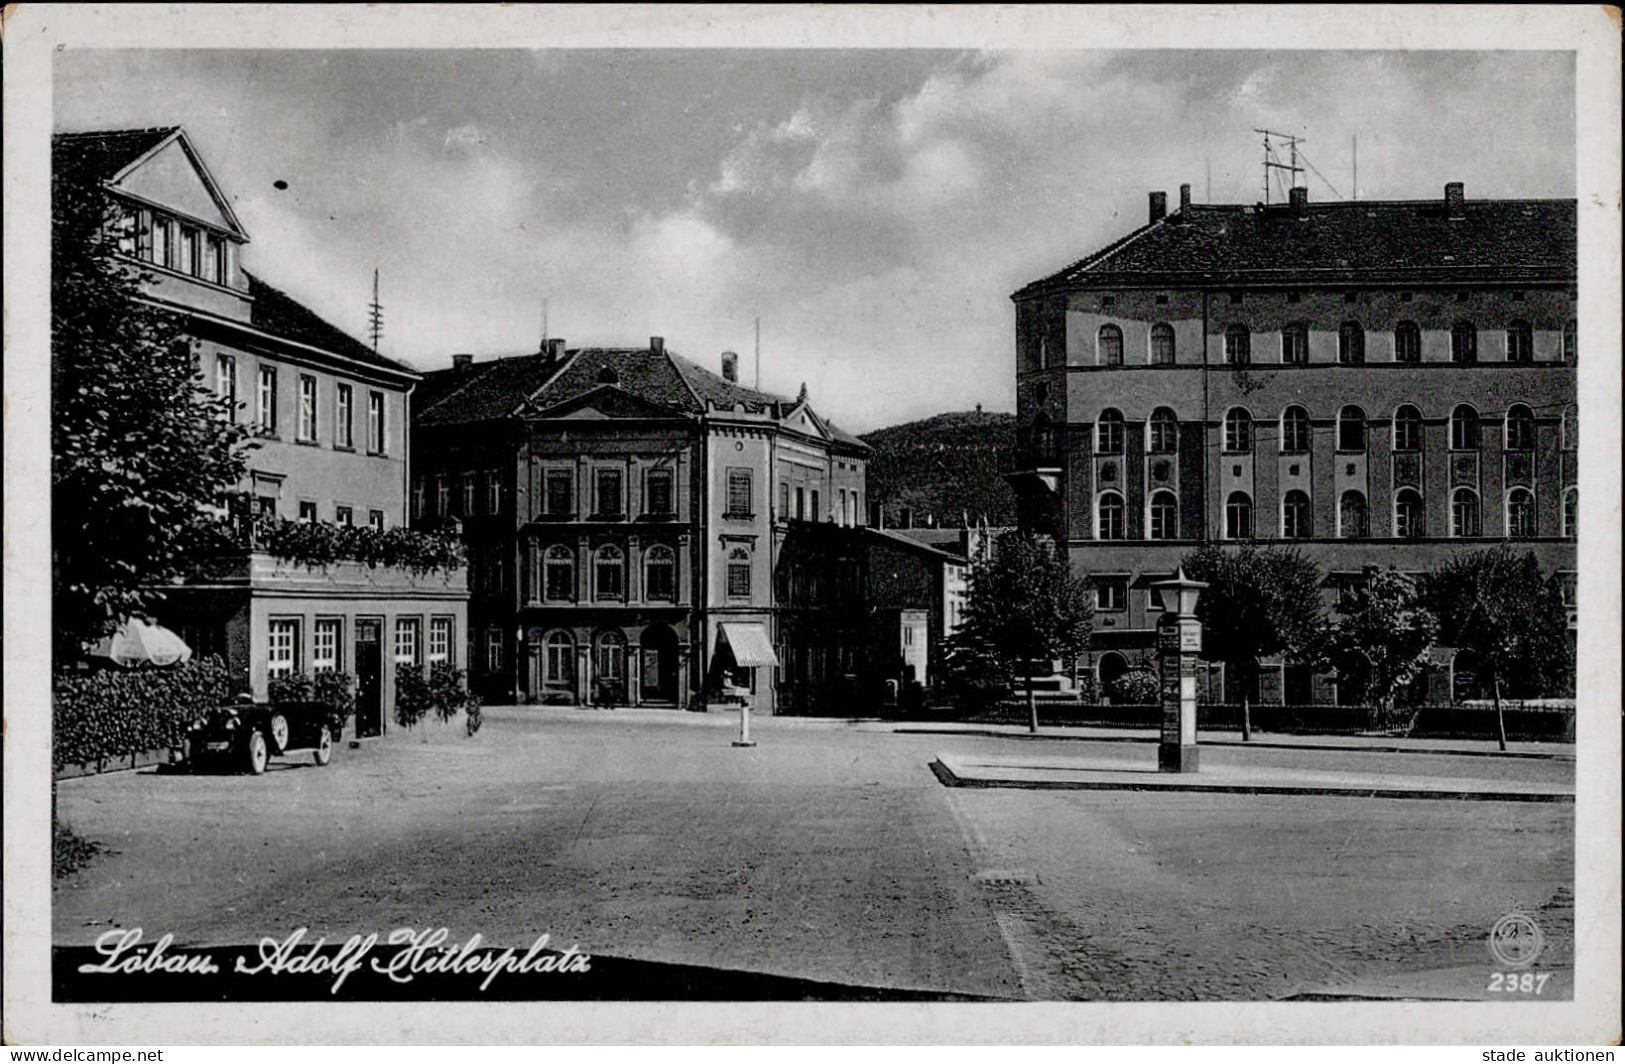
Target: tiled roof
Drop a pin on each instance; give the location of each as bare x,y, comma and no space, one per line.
280,314
97,156
483,391
1394,240
498,388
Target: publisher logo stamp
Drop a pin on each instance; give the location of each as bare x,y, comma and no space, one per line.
1516,940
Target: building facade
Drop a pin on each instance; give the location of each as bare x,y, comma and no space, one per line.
1380,383
624,509
329,418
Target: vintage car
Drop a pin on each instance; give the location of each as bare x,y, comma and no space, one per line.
249,734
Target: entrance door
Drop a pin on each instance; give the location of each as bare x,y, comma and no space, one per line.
369,693
659,664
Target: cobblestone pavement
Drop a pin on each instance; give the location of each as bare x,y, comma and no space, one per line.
825,852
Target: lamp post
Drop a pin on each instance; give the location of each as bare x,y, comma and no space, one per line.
1179,640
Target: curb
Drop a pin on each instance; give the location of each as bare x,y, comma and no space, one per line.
1251,744
949,778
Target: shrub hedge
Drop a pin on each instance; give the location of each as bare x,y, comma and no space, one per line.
104,714
335,690
444,691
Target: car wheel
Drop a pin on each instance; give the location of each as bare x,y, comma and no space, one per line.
257,753
279,732
324,746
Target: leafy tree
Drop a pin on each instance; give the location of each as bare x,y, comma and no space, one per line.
140,449
1260,602
1381,639
1025,603
1497,607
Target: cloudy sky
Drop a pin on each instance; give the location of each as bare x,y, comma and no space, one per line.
875,208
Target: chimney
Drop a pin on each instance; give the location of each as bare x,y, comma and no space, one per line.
1184,197
1300,199
730,367
657,345
555,348
1455,200
460,363
1159,206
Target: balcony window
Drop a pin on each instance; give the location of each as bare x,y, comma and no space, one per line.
1295,345
740,495
660,573
559,574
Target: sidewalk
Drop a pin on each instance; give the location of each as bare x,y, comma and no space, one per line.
1128,773
729,718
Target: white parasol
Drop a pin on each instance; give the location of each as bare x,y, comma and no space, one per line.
139,642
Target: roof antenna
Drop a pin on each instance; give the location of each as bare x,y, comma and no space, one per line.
1270,162
375,314
544,325
758,384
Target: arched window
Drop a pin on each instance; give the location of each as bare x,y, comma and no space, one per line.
1164,515
611,659
1238,345
1351,516
559,574
1464,514
559,659
1238,516
1464,342
1571,341
1407,429
1571,428
1109,346
1296,516
1109,513
1351,429
1520,342
1164,431
1409,520
1295,344
1520,428
609,573
660,573
1521,514
1162,344
1238,431
1571,513
1109,432
1464,428
1407,342
1294,430
1350,344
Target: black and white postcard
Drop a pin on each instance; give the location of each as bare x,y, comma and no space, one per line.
814,524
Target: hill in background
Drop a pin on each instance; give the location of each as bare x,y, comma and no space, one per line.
943,467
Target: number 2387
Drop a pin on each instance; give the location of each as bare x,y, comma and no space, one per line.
1518,982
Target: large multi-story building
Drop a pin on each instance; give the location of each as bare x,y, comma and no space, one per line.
624,510
329,416
1382,383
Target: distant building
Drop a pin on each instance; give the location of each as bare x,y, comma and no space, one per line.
625,510
330,418
1380,383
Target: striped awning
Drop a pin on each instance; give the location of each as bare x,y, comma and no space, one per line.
749,645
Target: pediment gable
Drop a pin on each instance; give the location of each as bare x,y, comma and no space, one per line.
606,402
173,176
801,418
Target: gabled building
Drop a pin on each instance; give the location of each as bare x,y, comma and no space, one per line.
1380,383
329,416
624,510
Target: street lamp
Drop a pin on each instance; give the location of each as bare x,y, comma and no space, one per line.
1179,640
